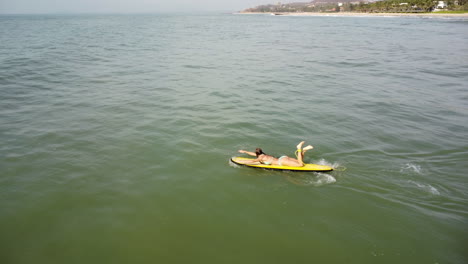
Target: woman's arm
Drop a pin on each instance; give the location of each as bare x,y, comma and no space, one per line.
248,152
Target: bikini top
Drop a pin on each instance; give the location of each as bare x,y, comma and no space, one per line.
266,162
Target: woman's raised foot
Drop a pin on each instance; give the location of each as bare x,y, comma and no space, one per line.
308,147
299,146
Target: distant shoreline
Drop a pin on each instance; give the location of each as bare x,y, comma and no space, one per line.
352,14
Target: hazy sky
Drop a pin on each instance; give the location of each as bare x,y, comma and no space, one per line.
125,6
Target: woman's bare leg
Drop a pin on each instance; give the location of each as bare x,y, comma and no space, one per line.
301,153
300,156
299,146
307,148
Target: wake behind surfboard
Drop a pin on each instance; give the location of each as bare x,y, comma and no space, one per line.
306,167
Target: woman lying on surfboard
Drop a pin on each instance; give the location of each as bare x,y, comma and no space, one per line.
263,158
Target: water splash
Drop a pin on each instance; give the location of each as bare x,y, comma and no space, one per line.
409,167
336,166
323,178
426,187
232,164
315,179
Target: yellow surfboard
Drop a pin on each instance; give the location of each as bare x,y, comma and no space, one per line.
306,167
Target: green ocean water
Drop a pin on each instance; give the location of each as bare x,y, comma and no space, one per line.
116,133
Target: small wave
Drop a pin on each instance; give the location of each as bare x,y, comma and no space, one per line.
409,167
323,178
232,164
426,187
316,179
336,166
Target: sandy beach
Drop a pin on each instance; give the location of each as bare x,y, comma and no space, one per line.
351,14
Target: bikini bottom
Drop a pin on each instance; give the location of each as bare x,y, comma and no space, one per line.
280,158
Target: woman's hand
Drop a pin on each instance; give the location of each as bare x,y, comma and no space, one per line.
242,151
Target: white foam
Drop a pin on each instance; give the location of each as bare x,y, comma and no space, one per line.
316,179
426,187
232,164
323,178
412,168
324,162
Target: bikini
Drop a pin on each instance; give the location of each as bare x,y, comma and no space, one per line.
280,158
279,161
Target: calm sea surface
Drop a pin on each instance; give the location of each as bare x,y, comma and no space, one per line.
116,133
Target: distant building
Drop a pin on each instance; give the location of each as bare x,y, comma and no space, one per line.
441,5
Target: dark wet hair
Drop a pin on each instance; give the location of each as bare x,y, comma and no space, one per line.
259,151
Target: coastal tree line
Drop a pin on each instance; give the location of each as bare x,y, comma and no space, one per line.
408,6
385,6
